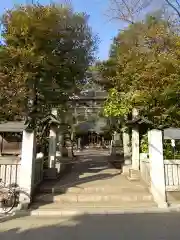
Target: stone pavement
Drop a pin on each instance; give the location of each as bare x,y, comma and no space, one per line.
157,226
92,184
92,171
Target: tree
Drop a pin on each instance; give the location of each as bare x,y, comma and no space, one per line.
130,11
127,11
147,73
91,79
106,71
47,52
12,91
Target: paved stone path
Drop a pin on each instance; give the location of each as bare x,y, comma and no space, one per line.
92,170
159,226
93,184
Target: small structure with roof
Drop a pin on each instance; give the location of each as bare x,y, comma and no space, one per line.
11,137
11,133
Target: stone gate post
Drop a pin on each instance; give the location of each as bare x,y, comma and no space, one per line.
158,190
26,177
126,147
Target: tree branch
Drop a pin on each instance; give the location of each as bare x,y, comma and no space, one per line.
173,7
178,3
128,10
119,9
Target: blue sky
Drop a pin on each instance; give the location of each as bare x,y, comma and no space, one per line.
99,20
100,23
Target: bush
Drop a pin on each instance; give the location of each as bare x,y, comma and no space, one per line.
169,152
144,144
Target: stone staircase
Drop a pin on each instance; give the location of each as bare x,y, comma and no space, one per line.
59,200
92,186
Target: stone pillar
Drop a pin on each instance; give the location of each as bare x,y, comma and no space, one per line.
52,142
52,147
157,167
79,144
113,148
26,175
59,166
60,141
135,144
117,143
126,147
102,142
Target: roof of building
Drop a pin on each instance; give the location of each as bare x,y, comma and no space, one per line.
90,95
19,126
12,126
91,126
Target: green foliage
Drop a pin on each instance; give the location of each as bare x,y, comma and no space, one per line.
91,79
117,104
106,70
169,152
46,54
146,72
144,144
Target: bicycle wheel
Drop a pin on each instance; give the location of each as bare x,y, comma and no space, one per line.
7,200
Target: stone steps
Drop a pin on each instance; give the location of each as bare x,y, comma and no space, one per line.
92,205
57,209
92,186
93,189
95,197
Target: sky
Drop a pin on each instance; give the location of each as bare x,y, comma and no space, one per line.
99,19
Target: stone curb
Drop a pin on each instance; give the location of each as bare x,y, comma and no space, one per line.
69,213
83,198
72,213
14,215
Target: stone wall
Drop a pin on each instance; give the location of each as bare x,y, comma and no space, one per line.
145,169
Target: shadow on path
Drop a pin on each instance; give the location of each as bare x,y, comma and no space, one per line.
157,226
90,166
91,169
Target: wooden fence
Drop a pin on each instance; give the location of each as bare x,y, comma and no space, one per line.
9,173
171,170
172,175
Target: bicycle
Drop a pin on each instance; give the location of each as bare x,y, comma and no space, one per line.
9,197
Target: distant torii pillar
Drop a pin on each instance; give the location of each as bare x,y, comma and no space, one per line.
52,142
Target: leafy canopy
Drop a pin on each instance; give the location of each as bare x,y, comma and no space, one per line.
46,54
147,70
